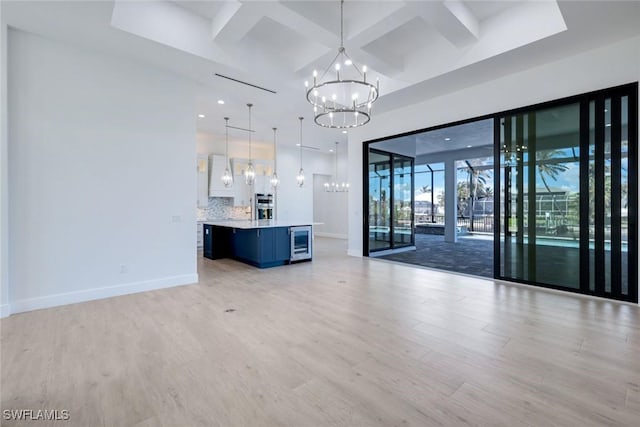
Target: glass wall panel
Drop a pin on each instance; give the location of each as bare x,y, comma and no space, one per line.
429,193
624,194
379,201
568,195
402,202
557,196
540,187
592,199
607,195
391,186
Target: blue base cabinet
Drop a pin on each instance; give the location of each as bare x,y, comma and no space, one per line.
260,247
216,242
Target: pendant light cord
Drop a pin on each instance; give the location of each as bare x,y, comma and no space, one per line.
226,139
301,118
250,131
342,24
275,158
336,162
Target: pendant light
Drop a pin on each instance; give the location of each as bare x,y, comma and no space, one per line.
250,173
336,186
343,101
227,177
300,177
274,178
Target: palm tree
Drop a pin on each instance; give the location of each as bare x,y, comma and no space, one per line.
549,169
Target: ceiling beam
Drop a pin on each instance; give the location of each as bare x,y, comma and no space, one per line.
223,17
464,16
377,27
452,19
235,21
302,25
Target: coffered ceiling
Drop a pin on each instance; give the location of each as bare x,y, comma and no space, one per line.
418,49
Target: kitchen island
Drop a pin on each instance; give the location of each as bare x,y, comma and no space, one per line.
261,243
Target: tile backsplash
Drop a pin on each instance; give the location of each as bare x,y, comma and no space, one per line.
221,208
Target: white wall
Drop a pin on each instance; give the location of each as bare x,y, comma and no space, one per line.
102,180
600,68
329,209
293,202
4,188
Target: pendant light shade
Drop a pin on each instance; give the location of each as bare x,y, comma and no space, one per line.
227,176
274,178
300,177
250,173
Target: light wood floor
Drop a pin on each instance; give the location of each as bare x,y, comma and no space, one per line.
341,341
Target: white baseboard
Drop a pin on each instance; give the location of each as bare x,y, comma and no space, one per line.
331,235
4,310
55,300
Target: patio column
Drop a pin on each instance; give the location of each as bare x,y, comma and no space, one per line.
450,202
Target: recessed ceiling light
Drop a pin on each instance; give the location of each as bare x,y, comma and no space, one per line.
469,146
201,116
331,150
344,131
297,145
220,101
608,125
447,139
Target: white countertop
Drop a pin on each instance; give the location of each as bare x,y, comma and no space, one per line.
262,223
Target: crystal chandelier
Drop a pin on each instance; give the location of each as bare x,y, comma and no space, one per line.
346,101
250,173
274,178
300,177
335,186
227,177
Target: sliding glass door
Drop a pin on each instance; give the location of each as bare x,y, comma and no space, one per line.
379,201
390,205
567,204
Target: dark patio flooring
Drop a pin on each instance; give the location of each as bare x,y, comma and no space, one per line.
471,254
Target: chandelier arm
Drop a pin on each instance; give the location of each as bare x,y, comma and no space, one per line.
326,70
353,64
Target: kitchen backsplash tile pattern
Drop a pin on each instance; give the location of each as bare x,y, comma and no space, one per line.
221,208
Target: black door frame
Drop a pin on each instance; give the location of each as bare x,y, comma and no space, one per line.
365,215
584,100
630,90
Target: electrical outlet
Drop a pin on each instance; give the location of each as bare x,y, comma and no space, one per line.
124,268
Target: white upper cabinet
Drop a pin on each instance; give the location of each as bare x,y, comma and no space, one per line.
216,187
244,193
202,171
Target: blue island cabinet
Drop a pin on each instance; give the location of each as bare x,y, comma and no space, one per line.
261,247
